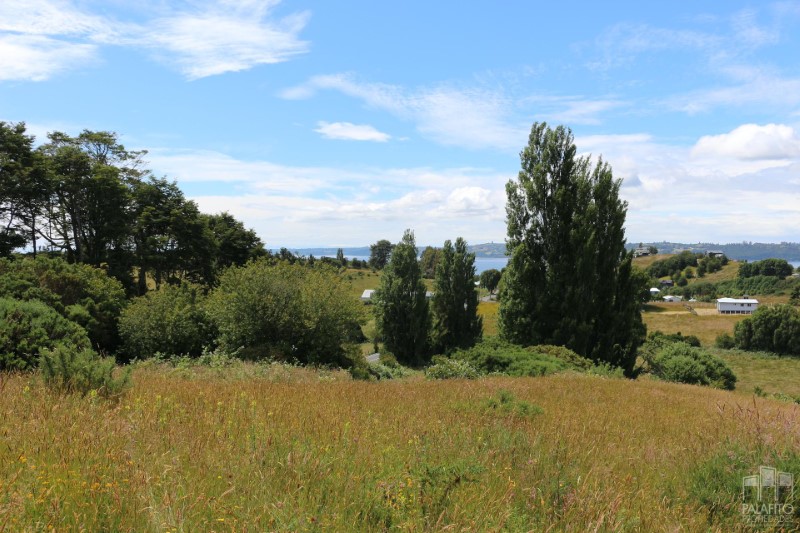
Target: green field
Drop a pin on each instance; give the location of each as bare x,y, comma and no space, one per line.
256,448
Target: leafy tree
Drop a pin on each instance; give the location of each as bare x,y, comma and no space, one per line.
569,281
455,299
490,279
772,329
171,320
379,254
683,363
794,298
286,311
779,268
340,258
22,188
233,243
402,314
429,260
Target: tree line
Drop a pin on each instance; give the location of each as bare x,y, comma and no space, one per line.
90,200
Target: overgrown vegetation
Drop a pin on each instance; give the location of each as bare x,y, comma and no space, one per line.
672,359
772,329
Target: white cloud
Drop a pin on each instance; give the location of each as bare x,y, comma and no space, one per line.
39,38
229,38
350,132
37,57
751,142
472,117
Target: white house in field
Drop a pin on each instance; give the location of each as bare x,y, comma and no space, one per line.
736,306
366,296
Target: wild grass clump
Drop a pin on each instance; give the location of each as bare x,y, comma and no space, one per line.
67,370
505,402
445,368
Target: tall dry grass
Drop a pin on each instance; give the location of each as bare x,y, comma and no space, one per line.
224,450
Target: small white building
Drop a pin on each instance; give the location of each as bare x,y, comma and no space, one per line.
673,298
736,306
366,296
654,291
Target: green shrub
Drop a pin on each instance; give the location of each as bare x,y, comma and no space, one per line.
691,340
725,341
445,368
286,311
81,293
772,328
505,402
682,363
171,321
68,370
493,355
28,328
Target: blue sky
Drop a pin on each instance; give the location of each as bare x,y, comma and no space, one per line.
341,123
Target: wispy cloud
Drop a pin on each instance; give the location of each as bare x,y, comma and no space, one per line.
472,117
228,37
350,132
40,38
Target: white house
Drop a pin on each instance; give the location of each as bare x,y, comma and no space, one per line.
736,306
366,296
654,291
673,298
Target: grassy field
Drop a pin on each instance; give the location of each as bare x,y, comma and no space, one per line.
286,449
769,372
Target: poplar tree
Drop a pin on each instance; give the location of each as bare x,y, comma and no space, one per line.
569,280
456,323
402,313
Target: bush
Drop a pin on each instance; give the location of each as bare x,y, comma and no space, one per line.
682,363
445,368
68,370
288,312
171,321
80,293
691,340
772,329
725,341
28,328
493,355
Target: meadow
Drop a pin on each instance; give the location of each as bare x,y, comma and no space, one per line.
270,447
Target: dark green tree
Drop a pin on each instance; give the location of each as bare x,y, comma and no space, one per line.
570,281
456,324
401,308
233,243
340,258
429,260
379,254
490,279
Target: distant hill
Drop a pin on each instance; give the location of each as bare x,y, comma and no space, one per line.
742,251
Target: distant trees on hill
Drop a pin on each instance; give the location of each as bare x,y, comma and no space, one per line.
780,268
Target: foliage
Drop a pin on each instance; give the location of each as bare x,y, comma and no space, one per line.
569,281
171,320
429,260
794,298
725,341
80,293
683,363
494,355
446,368
772,329
506,403
402,314
456,323
28,328
661,337
779,268
70,370
674,265
284,311
233,243
379,254
490,279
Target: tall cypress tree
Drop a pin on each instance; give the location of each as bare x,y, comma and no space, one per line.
401,310
455,299
569,281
